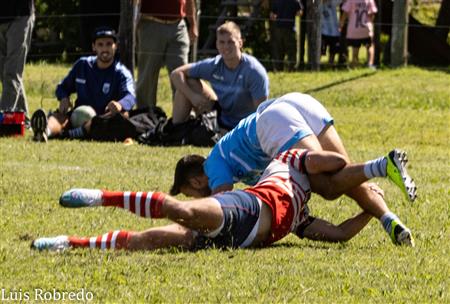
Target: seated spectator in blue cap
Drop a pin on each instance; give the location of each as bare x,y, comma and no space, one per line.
99,81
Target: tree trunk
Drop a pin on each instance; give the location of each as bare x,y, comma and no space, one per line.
399,36
377,34
443,20
314,33
127,34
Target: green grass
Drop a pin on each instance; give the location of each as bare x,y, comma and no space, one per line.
407,108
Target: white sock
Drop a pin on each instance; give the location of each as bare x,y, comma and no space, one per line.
386,220
375,168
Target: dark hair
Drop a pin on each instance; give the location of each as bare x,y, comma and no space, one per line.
104,32
188,166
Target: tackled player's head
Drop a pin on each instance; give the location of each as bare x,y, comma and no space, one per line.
190,178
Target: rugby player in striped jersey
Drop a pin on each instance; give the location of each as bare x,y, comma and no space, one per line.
254,217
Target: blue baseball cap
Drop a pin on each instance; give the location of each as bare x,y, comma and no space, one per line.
104,32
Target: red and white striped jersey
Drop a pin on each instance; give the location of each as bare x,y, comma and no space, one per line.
285,188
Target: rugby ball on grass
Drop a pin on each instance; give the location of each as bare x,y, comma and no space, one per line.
81,115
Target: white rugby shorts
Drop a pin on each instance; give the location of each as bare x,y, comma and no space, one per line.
284,121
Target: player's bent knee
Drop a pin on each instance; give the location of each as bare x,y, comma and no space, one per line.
323,185
330,194
195,84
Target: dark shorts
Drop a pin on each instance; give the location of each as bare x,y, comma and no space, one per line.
241,212
330,41
358,42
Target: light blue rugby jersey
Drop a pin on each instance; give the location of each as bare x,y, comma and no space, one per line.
238,155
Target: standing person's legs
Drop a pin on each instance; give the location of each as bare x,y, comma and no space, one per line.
343,51
278,54
334,49
355,56
303,30
152,41
3,46
177,48
370,53
18,39
291,49
273,44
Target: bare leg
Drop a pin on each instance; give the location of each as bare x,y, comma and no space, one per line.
371,53
155,238
374,204
355,56
162,237
309,142
204,215
56,123
182,106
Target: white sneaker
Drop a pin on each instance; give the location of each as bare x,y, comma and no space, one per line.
76,198
57,243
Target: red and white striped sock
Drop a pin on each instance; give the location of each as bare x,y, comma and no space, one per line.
144,204
112,240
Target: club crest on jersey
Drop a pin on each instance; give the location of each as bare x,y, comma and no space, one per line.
106,87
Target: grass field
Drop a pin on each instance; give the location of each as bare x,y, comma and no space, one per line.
374,112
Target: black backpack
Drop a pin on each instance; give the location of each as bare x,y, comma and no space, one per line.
119,127
202,131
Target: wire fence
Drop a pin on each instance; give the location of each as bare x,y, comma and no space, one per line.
42,44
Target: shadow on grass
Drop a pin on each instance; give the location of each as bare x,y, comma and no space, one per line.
335,83
316,245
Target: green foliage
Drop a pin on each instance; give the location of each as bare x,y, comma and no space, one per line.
57,30
427,13
407,108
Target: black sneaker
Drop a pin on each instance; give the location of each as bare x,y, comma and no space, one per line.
39,126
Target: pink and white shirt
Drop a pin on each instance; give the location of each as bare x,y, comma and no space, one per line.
360,25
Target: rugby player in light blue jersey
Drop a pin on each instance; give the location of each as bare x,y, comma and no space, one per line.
294,120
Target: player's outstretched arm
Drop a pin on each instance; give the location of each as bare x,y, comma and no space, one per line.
322,230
